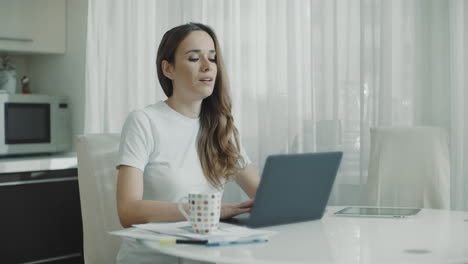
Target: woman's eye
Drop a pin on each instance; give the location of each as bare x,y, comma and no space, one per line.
212,60
193,59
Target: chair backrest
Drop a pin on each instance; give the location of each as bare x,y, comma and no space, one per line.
97,175
408,167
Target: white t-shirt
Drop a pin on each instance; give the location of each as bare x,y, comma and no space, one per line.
163,144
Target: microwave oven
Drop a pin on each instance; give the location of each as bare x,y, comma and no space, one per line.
33,124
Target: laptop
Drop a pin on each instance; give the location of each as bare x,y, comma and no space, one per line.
293,188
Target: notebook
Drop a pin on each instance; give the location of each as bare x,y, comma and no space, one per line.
293,188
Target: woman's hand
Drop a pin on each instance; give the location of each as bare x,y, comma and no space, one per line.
233,209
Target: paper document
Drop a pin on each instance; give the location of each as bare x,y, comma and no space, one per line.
226,232
139,233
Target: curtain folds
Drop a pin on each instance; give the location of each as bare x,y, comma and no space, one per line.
458,38
305,75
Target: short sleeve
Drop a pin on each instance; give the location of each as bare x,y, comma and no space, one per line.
246,160
136,141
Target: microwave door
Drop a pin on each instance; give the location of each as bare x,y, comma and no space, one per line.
27,128
27,123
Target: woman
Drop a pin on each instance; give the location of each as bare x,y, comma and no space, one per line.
184,144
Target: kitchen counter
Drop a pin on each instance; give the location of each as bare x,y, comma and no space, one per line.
38,162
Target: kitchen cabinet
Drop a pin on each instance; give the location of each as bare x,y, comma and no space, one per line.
41,213
32,26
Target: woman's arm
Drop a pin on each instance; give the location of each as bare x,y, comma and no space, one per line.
133,210
248,180
130,206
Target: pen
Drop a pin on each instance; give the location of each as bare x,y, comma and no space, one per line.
242,242
172,241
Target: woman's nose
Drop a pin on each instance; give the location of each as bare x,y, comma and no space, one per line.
205,66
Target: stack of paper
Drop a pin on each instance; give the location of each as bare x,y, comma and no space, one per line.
183,230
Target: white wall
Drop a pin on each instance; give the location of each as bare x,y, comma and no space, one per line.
65,74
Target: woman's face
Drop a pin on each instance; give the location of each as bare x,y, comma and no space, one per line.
194,73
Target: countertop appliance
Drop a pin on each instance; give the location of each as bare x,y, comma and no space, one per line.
33,123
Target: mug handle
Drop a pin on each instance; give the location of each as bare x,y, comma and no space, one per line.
180,206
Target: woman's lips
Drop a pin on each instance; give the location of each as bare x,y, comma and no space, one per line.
206,80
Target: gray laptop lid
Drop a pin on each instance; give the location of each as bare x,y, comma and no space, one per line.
294,188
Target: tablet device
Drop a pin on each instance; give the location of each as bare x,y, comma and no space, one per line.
378,212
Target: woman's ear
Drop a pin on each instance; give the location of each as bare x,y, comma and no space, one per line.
167,69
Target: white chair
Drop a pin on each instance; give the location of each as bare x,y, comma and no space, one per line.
408,167
97,175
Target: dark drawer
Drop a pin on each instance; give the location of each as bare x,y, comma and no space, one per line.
41,216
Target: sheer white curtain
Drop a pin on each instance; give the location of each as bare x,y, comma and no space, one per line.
306,75
458,39
413,66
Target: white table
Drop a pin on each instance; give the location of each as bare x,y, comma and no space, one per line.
432,236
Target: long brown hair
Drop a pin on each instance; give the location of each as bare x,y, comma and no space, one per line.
218,139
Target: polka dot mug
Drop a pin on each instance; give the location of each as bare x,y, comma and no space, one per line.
204,211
